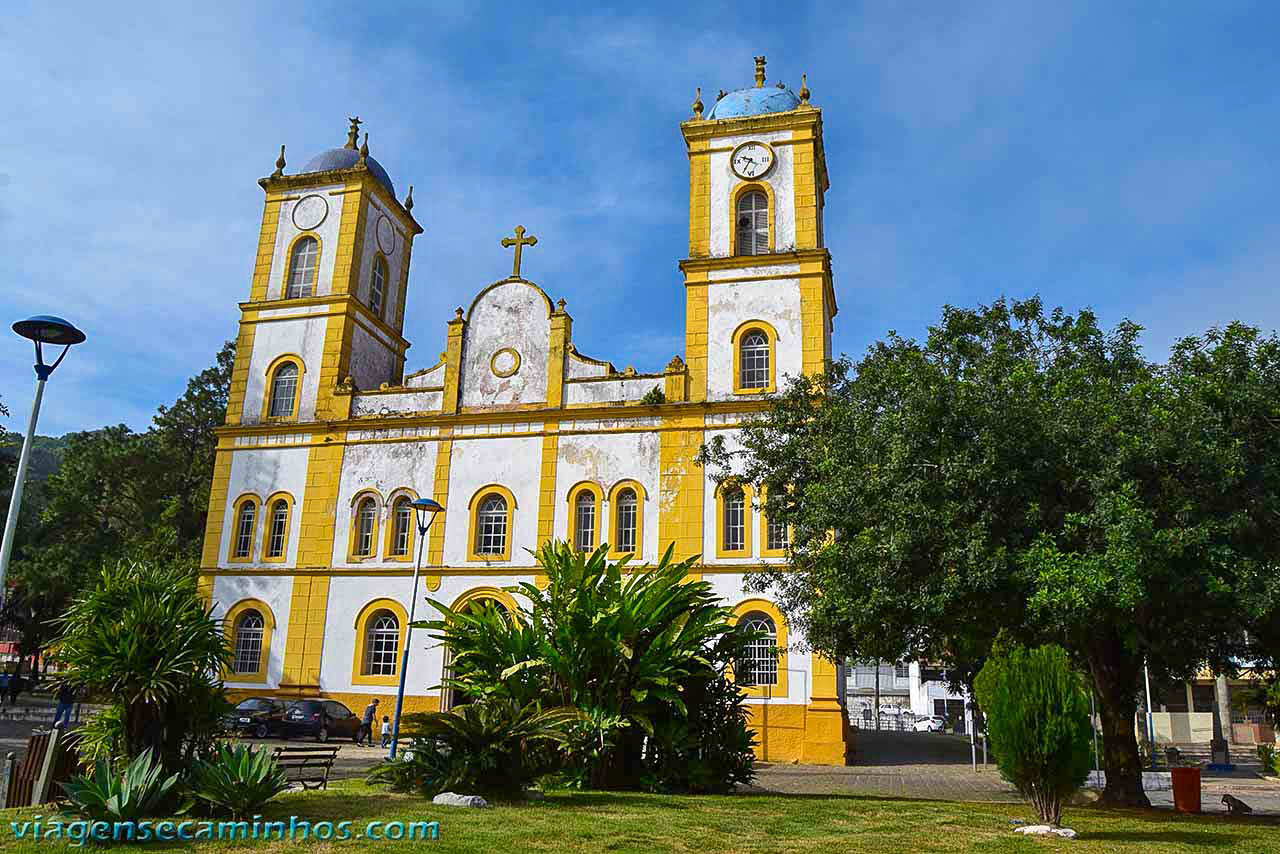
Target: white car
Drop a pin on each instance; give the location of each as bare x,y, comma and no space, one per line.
930,724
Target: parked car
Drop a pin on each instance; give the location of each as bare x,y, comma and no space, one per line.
321,720
259,717
933,723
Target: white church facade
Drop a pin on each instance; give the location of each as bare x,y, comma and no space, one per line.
308,555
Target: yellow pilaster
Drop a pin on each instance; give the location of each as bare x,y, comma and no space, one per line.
561,330
547,492
676,381
453,364
806,188
346,266
240,373
814,320
827,733
680,486
217,504
266,248
440,492
699,198
695,335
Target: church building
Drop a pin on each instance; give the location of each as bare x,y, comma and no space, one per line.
309,552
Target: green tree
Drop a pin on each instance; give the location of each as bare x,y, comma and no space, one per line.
1038,720
1031,472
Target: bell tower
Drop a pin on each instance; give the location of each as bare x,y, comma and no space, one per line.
758,269
325,312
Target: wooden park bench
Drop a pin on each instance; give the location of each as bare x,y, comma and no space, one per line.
308,766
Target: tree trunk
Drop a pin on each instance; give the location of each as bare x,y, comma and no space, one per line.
1115,676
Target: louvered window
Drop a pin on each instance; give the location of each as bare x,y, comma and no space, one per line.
753,224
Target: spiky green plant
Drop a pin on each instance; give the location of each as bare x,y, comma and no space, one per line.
139,791
237,780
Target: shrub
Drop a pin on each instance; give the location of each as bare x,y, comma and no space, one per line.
654,396
709,750
143,640
1038,721
1269,758
141,790
487,747
236,780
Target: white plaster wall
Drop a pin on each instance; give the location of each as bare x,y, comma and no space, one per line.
724,183
372,360
612,391
604,460
729,304
303,337
729,587
578,367
277,593
369,248
711,516
428,378
392,404
515,315
263,472
327,231
385,467
515,463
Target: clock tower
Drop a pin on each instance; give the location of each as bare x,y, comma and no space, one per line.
757,261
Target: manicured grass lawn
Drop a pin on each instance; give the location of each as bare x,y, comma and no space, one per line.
609,822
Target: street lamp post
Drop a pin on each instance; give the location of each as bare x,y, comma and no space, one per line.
42,329
425,511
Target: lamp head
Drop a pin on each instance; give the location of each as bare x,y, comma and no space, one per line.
426,509
47,329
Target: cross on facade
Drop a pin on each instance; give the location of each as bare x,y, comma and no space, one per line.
519,242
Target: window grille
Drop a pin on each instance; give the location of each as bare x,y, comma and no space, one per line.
760,660
775,535
284,388
248,650
403,518
584,521
753,360
491,526
244,529
279,534
628,513
377,286
382,646
366,514
302,268
735,521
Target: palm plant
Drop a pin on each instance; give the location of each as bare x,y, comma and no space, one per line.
142,639
104,795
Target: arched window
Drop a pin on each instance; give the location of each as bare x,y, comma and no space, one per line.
491,526
760,660
246,517
753,223
753,360
284,391
382,645
378,285
366,519
278,533
626,514
775,536
401,526
303,265
584,521
247,657
733,534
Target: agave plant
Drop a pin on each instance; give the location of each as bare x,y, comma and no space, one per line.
237,780
142,790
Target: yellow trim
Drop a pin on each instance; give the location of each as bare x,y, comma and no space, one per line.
288,265
681,485
277,364
473,509
359,498
699,199
402,494
435,546
641,498
736,340
268,510
747,523
696,321
572,498
358,676
268,626
765,551
476,594
235,527
771,611
493,362
740,191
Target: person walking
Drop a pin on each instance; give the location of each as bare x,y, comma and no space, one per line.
15,687
366,724
66,702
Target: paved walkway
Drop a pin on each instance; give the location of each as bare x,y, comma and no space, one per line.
937,766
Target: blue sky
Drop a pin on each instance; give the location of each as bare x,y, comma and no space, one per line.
1122,158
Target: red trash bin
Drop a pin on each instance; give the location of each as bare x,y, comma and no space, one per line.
1186,789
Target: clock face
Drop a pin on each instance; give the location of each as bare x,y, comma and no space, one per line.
751,159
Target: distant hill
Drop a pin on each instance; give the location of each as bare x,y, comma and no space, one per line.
46,456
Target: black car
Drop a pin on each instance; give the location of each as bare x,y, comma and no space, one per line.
259,717
321,720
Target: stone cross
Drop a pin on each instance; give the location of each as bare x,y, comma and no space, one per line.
519,242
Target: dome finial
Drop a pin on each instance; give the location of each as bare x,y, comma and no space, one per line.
353,132
804,89
408,200
697,104
364,152
759,72
279,164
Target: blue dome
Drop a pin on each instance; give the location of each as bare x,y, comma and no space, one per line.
345,158
754,102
